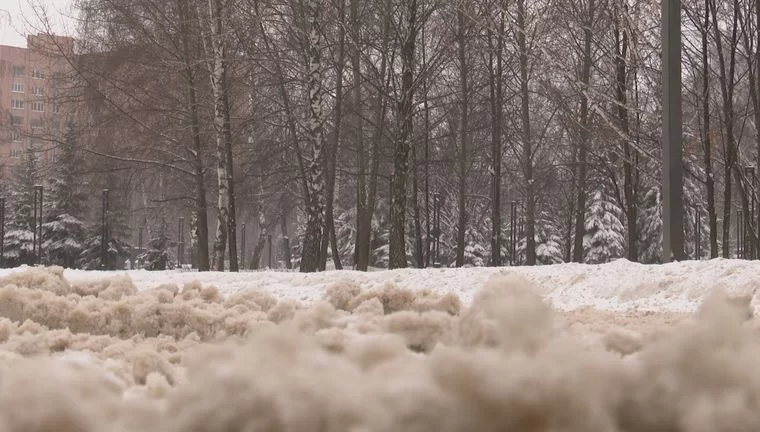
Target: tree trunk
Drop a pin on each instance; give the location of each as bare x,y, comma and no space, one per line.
527,147
583,136
419,256
258,248
497,103
218,75
621,60
712,213
426,144
464,137
364,221
315,173
753,69
726,78
397,254
332,150
361,252
201,211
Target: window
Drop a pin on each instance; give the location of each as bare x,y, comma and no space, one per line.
15,153
36,125
17,87
18,70
17,104
38,91
16,136
56,108
38,107
17,120
38,74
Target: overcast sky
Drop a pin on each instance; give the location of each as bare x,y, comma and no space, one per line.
17,18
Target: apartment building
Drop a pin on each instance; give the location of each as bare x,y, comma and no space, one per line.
32,83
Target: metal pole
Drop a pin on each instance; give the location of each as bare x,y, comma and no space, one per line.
672,190
37,229
512,233
242,246
269,240
437,208
739,239
34,229
2,232
104,233
140,243
39,236
749,219
521,232
698,232
181,242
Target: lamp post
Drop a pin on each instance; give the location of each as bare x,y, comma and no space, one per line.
739,234
698,232
2,232
749,222
181,242
242,246
513,233
140,243
437,200
672,184
104,233
269,241
37,235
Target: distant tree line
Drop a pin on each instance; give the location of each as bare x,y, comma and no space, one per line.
336,125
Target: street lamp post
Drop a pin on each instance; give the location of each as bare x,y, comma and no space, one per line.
672,184
181,242
2,232
37,235
437,200
104,233
513,233
139,244
749,220
739,234
698,232
269,240
242,247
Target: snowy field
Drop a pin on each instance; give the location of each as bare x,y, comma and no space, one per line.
573,348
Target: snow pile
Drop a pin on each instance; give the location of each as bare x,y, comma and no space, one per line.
106,356
618,286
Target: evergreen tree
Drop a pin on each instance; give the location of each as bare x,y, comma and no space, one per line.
548,243
650,227
475,251
604,233
158,257
19,234
63,230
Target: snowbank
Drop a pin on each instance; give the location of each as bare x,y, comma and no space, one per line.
619,286
94,353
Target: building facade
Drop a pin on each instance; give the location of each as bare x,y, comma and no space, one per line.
33,99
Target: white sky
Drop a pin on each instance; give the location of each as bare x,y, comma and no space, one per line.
18,18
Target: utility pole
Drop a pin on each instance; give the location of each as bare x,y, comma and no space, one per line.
37,237
672,172
2,232
104,233
181,242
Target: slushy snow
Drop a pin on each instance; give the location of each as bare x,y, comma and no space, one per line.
619,347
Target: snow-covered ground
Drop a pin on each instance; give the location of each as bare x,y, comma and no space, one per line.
451,350
618,286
